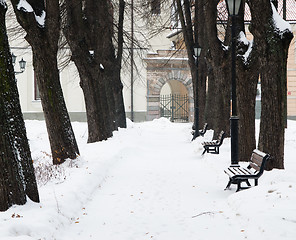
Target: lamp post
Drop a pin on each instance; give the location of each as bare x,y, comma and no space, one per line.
233,8
22,64
197,51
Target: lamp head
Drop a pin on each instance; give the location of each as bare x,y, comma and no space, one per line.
233,7
22,64
197,50
13,57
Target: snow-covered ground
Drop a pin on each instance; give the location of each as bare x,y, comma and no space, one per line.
150,181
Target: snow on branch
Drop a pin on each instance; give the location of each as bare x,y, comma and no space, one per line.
242,38
3,3
279,22
23,5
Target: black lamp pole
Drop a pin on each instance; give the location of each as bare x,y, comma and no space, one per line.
197,50
233,8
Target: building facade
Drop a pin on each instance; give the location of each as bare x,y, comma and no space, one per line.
160,70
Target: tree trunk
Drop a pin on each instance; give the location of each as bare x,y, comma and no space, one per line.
246,99
202,89
118,96
210,114
200,34
61,136
17,177
193,37
44,42
273,45
247,79
219,61
95,98
98,67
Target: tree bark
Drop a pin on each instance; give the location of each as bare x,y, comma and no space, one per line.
193,34
44,42
247,79
246,98
199,31
210,113
219,60
98,67
273,45
17,178
120,116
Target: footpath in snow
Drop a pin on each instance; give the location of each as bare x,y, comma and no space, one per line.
150,182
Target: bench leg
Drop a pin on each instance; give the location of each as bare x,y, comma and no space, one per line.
204,151
248,183
256,182
238,186
228,185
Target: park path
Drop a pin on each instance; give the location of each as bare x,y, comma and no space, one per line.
160,188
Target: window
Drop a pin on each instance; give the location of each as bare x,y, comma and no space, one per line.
155,7
36,90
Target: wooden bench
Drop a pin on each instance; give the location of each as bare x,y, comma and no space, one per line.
201,132
213,146
204,129
237,175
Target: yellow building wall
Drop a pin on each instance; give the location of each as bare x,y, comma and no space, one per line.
291,76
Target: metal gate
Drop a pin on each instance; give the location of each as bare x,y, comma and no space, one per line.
174,107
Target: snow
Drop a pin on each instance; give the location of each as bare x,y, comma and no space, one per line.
149,181
26,7
279,22
243,38
225,48
3,3
41,19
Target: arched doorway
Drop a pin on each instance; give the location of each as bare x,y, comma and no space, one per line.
168,70
174,101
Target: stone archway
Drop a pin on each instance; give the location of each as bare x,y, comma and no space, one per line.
160,70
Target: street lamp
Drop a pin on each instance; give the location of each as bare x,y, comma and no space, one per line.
233,8
197,51
22,64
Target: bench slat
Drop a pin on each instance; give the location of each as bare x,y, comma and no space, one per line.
255,166
233,171
243,172
238,171
257,159
229,172
249,171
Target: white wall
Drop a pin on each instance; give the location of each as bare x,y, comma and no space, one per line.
69,76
